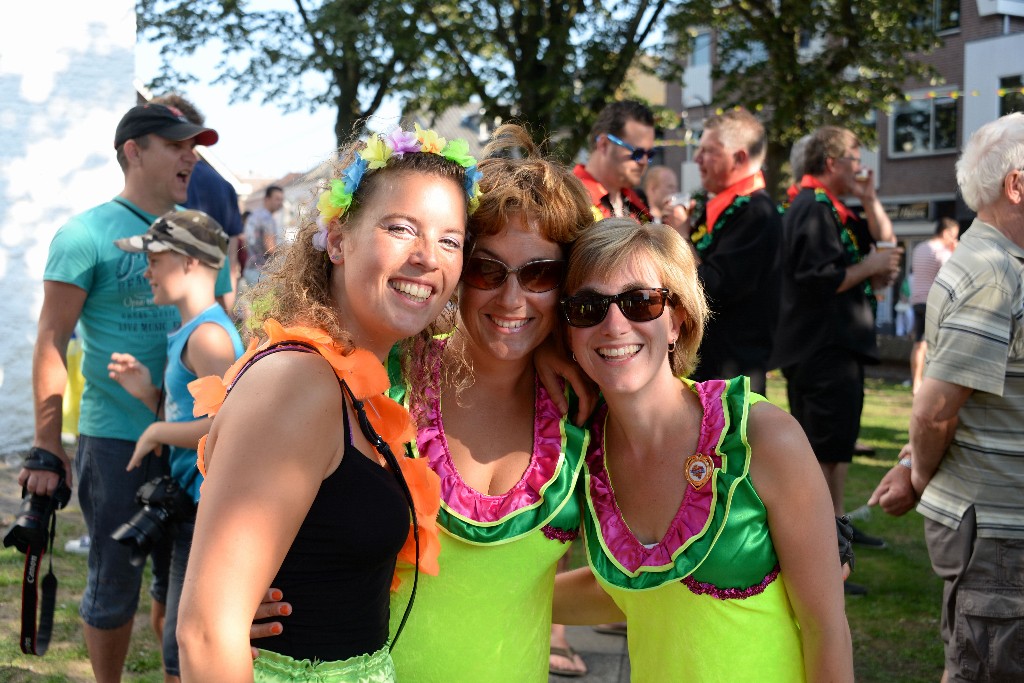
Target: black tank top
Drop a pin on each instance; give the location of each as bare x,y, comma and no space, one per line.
337,574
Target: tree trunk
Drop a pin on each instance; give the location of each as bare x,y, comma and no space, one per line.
349,121
777,178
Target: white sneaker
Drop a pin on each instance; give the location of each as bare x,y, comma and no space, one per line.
78,546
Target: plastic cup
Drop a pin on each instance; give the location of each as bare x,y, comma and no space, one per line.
679,199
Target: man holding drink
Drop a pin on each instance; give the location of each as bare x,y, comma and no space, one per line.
826,331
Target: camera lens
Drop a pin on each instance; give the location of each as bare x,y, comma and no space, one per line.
161,499
30,529
141,533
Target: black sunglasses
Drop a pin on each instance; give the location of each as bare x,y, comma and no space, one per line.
638,305
636,153
535,276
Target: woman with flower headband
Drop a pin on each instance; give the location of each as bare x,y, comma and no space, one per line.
715,540
507,458
303,490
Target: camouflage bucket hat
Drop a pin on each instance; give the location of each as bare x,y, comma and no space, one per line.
189,232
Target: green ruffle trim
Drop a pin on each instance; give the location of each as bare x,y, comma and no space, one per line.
731,487
849,241
376,667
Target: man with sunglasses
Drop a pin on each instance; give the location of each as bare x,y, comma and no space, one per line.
736,231
826,330
621,148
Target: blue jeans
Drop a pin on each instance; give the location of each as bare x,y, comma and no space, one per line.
106,493
182,533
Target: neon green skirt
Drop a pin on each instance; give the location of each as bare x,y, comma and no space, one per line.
271,667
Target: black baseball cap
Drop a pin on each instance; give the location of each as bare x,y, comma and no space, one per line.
167,122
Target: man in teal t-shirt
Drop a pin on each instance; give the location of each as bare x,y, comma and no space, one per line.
90,282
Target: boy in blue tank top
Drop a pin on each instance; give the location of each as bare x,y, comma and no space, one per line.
185,250
91,286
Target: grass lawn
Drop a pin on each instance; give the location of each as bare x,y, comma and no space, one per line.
895,627
67,659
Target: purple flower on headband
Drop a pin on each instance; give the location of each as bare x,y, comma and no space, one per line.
353,174
473,176
402,142
320,238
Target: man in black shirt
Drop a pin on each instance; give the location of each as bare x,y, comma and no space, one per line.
736,234
826,330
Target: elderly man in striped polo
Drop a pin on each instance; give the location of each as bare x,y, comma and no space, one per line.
964,465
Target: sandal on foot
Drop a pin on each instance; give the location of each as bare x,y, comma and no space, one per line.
571,655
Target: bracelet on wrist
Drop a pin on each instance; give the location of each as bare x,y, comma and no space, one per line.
905,462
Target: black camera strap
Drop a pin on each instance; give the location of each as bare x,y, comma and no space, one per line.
33,641
120,201
384,449
36,641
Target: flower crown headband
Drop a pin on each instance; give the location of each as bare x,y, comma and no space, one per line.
378,151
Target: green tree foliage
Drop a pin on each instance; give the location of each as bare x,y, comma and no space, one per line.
552,64
800,64
346,54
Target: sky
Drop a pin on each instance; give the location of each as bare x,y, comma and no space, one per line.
256,140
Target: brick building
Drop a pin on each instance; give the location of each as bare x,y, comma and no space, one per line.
981,62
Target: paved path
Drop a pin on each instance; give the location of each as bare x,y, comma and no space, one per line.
605,655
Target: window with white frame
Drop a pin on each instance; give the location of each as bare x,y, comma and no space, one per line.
1011,94
700,49
923,124
692,138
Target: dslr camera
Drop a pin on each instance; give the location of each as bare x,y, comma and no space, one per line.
32,527
32,533
162,502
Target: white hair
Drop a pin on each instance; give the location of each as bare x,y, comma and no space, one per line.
994,150
739,129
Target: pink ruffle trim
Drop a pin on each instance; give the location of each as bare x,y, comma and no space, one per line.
701,588
695,509
469,503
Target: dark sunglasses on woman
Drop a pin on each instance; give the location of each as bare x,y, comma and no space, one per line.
638,305
535,276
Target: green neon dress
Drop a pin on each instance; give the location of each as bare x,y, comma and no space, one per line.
706,603
486,616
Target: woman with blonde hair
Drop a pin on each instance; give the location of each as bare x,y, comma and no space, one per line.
303,489
707,523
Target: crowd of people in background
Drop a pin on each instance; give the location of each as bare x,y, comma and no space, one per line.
457,356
